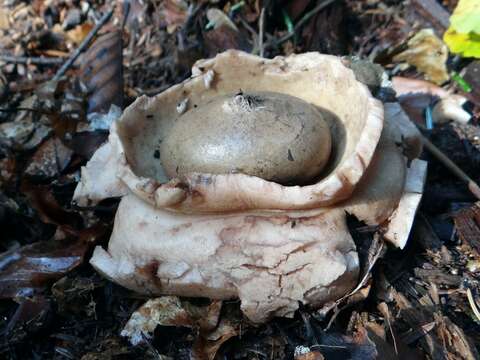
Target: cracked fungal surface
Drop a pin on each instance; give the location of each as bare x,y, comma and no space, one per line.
271,262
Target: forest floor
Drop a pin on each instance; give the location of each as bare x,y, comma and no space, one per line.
420,302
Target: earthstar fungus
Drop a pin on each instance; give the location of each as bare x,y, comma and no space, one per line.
266,221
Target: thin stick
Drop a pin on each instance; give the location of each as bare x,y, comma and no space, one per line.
126,12
39,111
261,30
38,60
304,19
450,165
472,303
103,20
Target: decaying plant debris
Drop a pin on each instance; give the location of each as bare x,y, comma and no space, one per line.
421,301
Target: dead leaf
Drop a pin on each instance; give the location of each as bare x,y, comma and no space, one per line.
428,54
388,350
356,347
79,32
23,134
308,355
224,34
217,18
7,170
167,311
415,96
405,86
467,224
137,14
30,317
456,344
251,10
207,344
326,31
297,7
49,211
175,14
85,143
4,22
223,38
50,159
29,269
109,348
102,72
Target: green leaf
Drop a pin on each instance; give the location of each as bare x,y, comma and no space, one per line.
466,45
466,17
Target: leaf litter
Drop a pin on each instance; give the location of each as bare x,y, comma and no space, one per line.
412,304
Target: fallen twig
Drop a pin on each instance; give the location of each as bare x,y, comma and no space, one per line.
103,20
413,335
450,165
472,303
433,12
383,308
261,30
17,109
31,60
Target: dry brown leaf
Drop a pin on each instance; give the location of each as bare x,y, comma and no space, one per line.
109,348
168,311
54,53
310,355
85,143
29,269
467,224
4,22
47,207
358,346
79,33
455,343
223,38
175,13
102,72
416,96
207,345
31,315
428,54
50,159
218,18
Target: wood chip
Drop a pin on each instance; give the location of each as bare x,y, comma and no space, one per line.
433,12
467,224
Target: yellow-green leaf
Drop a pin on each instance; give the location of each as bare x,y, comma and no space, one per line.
466,17
467,45
463,35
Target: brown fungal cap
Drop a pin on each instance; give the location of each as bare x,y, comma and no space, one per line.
274,136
